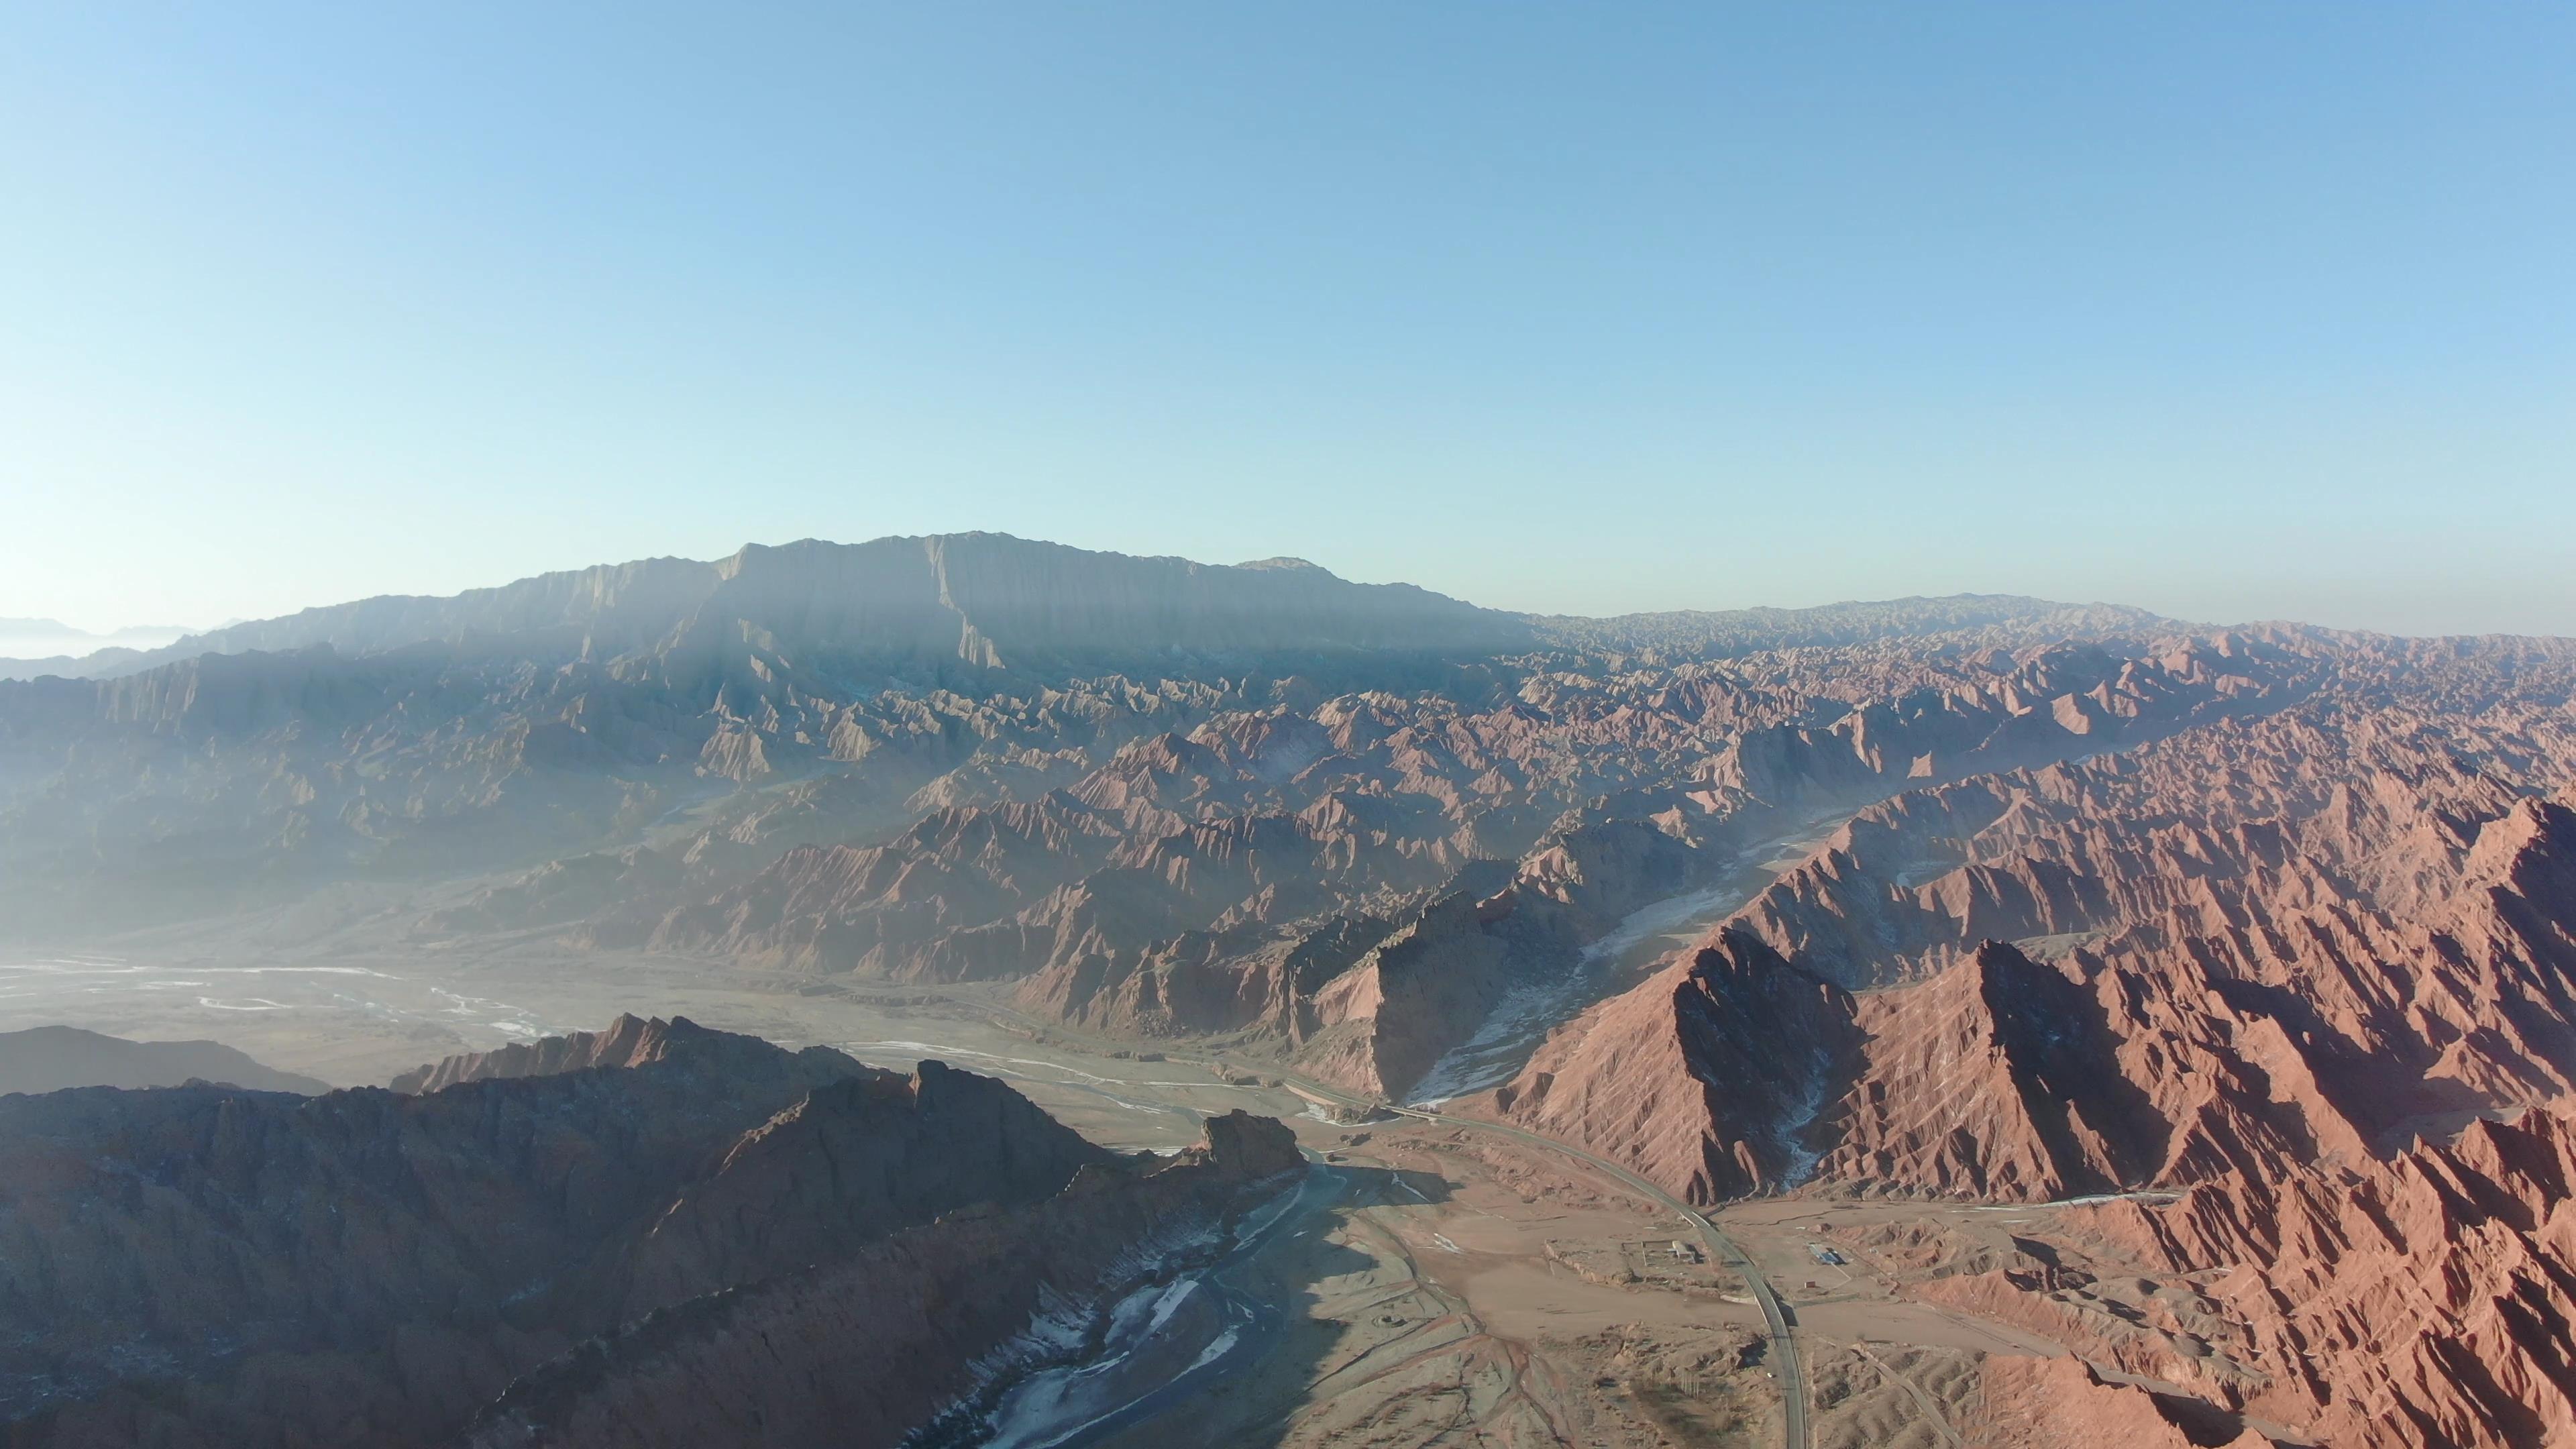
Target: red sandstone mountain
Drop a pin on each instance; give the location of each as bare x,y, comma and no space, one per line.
2274,919
629,1041
1168,890
2382,1305
50,1058
2252,962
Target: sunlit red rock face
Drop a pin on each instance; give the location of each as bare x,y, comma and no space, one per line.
1362,878
2293,936
2428,1299
2273,964
2423,1300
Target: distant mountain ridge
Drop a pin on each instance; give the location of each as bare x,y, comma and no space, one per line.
61,647
581,714
982,601
53,1058
978,600
1716,633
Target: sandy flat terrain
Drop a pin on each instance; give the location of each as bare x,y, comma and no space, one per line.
1428,1308
355,1014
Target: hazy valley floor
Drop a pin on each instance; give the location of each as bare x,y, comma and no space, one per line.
1456,1282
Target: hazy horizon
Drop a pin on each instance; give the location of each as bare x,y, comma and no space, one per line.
1961,828
18,642
2225,315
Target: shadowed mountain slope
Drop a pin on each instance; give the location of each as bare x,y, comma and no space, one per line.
206,1266
52,1058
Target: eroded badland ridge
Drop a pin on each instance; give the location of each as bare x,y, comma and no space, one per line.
2262,938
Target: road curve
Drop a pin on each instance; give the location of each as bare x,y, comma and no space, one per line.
1775,1314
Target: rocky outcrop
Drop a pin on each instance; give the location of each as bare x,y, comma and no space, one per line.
2285,939
1737,1053
565,715
52,1058
204,1266
1383,1022
879,909
2267,966
1992,1080
633,1041
561,893
2421,1300
2254,918
2063,1403
1983,621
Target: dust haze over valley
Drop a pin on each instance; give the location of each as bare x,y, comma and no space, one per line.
1305,727
1972,1020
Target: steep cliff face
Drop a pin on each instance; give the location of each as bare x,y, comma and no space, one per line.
2420,1300
1736,1071
608,609
998,601
838,696
1383,1022
2267,966
847,1163
2259,919
1995,1079
1707,1077
2291,937
199,1266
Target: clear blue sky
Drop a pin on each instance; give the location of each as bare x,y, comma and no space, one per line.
2232,311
